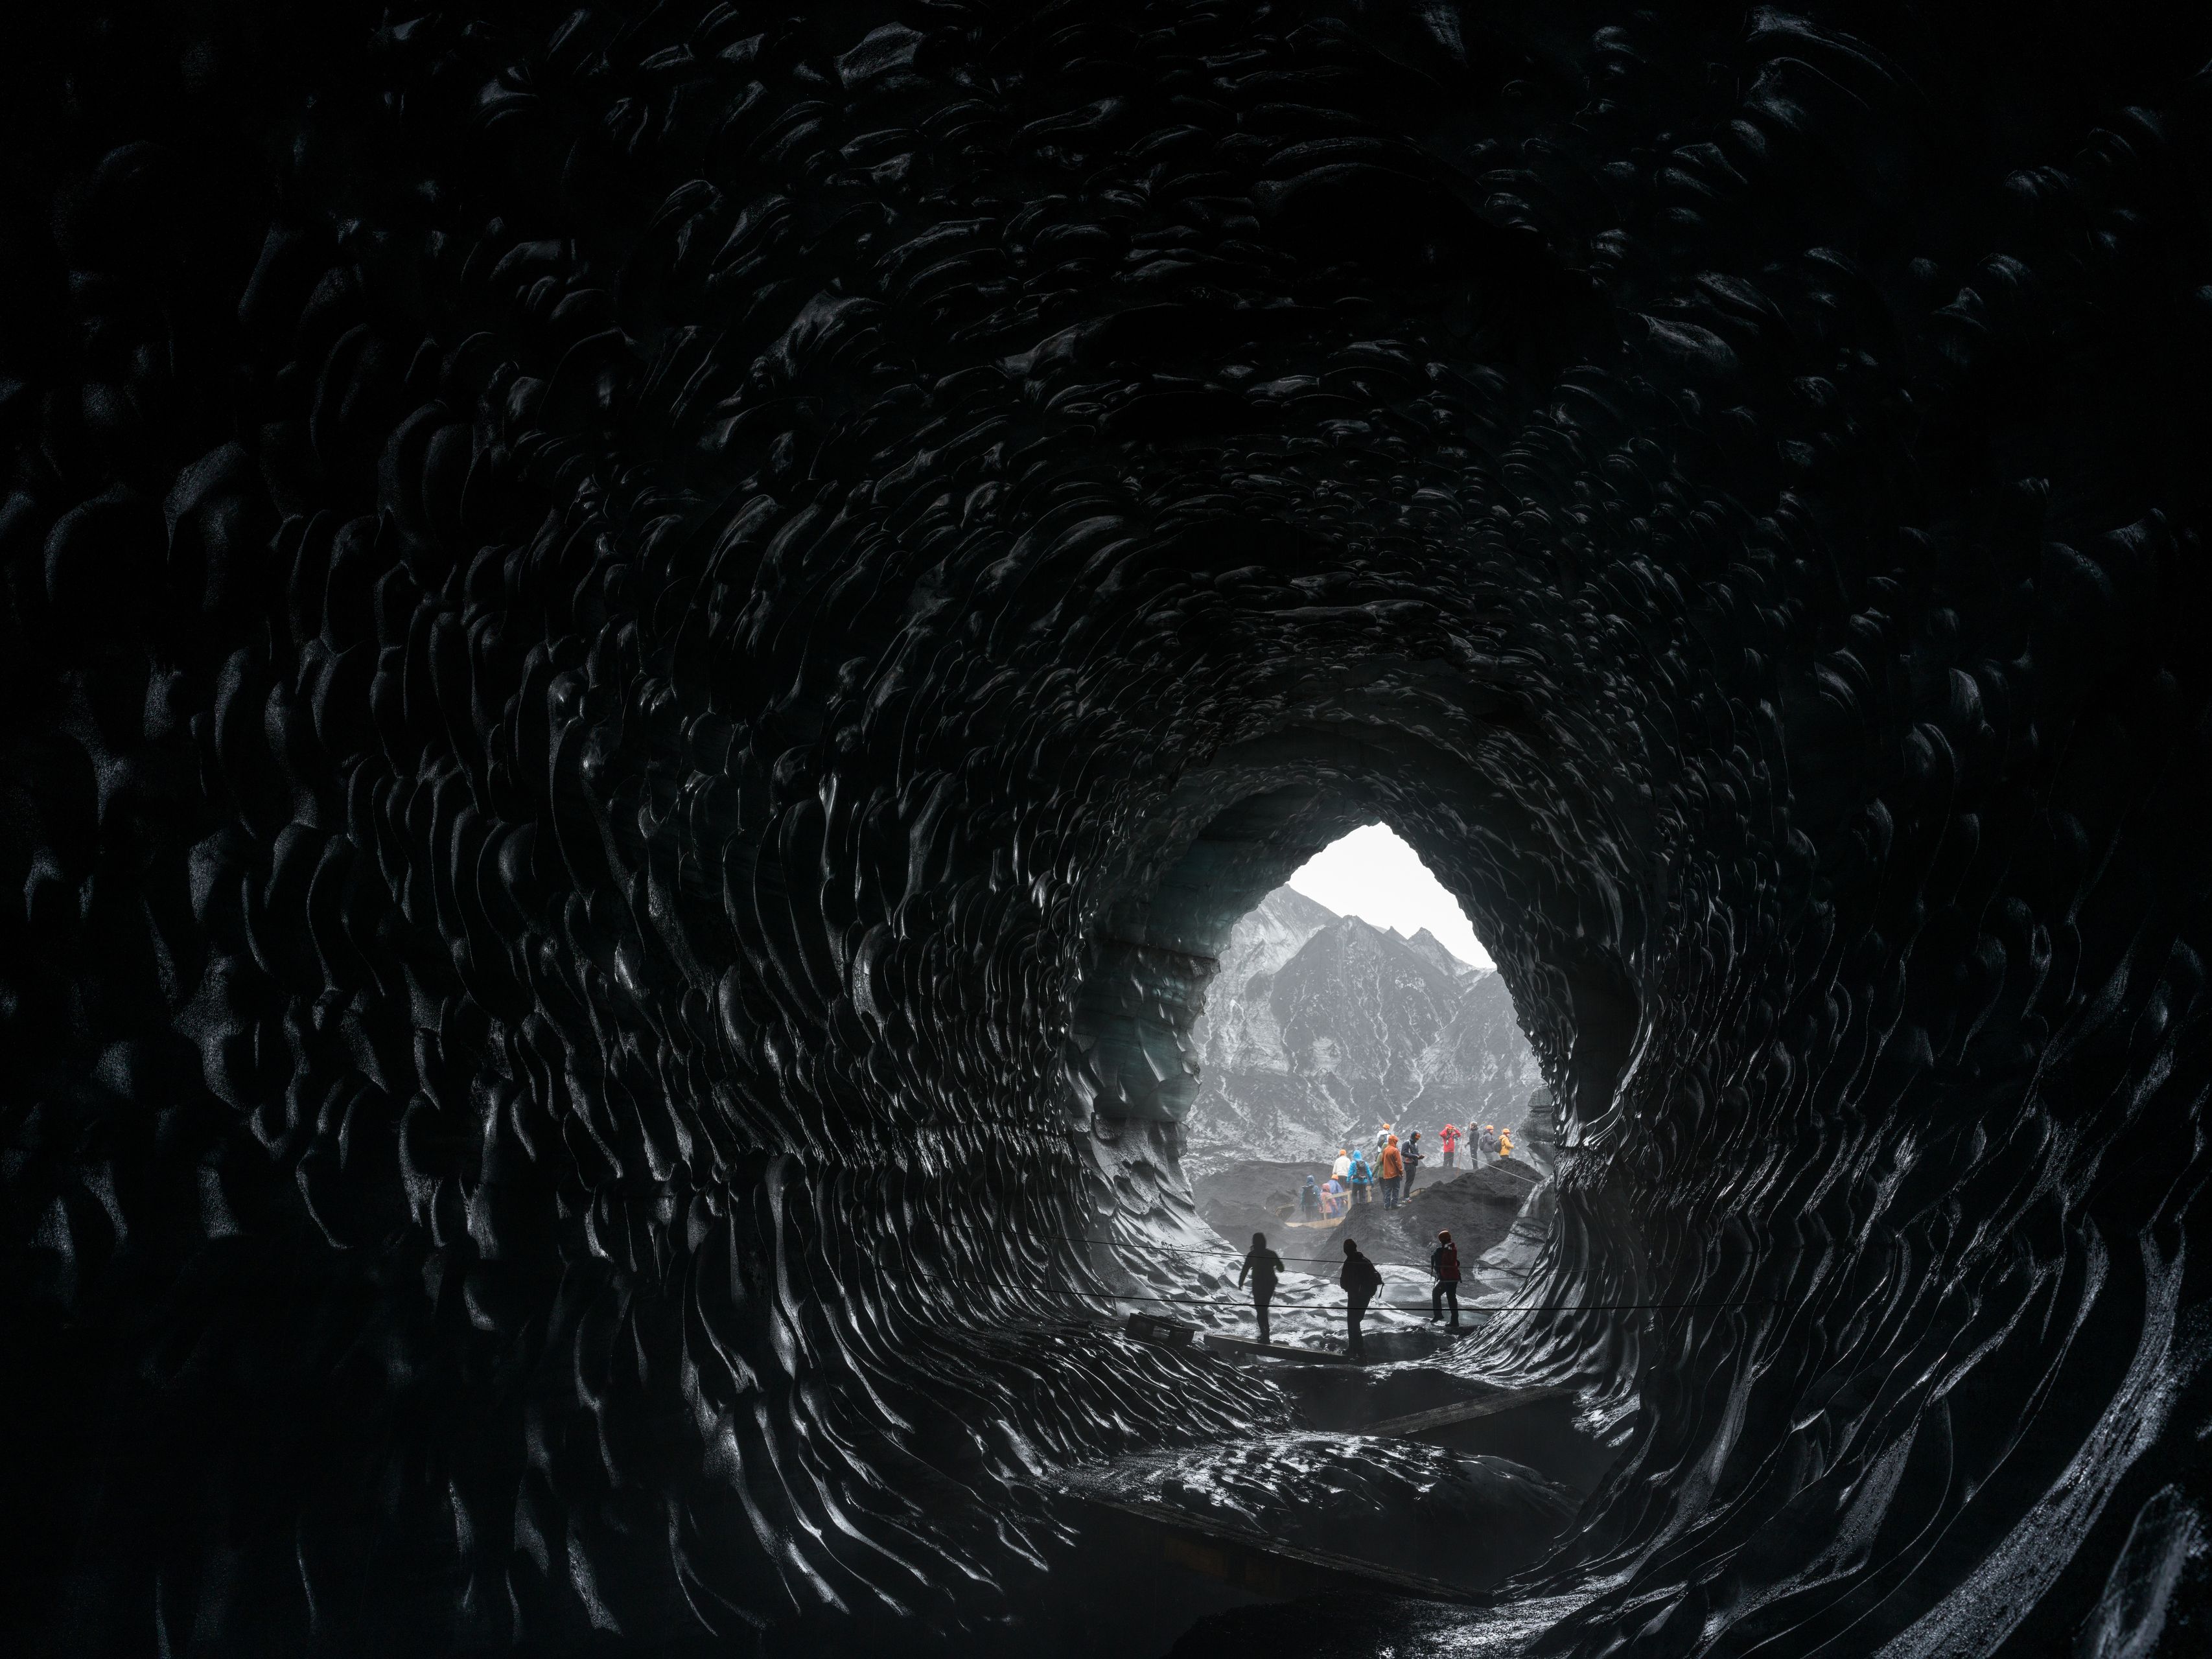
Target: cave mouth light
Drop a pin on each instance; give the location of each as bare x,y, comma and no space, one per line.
1374,874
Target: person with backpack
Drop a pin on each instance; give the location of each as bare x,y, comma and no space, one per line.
1444,1262
1392,1172
1308,1201
1359,1281
1449,1136
1362,1178
1266,1268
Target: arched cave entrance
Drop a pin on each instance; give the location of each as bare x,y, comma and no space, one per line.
1150,970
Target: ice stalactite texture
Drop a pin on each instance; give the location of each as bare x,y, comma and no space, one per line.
643,655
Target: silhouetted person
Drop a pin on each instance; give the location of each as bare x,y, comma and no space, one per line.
1266,1268
1360,1280
1444,1262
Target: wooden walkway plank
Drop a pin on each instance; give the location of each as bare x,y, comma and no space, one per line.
1467,1411
1267,1566
1278,1350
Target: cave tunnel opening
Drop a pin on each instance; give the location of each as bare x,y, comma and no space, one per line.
1356,1004
1168,902
1155,966
645,652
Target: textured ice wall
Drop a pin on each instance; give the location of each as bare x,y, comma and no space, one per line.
645,653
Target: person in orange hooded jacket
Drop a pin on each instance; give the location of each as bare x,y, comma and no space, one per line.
1392,1172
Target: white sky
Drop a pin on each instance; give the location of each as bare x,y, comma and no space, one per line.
1373,875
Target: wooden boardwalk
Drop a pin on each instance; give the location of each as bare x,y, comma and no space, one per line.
1250,1561
1262,1566
1467,1411
1278,1350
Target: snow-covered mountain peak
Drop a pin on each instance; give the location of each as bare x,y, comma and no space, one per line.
1436,952
1319,1027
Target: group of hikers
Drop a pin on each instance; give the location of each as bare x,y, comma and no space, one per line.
1354,1178
1357,1178
1360,1281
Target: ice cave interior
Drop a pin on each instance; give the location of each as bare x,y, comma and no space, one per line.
647,648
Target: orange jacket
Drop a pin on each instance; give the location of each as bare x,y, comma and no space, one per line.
1393,1165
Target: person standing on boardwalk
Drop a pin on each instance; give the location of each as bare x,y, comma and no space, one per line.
1359,1280
1444,1262
1393,1170
1308,1201
1448,1135
1265,1268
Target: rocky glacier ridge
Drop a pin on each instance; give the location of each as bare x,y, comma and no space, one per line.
1320,1027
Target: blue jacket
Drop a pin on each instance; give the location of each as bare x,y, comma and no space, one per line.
1361,1174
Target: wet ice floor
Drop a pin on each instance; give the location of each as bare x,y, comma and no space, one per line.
1466,1521
1411,1630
